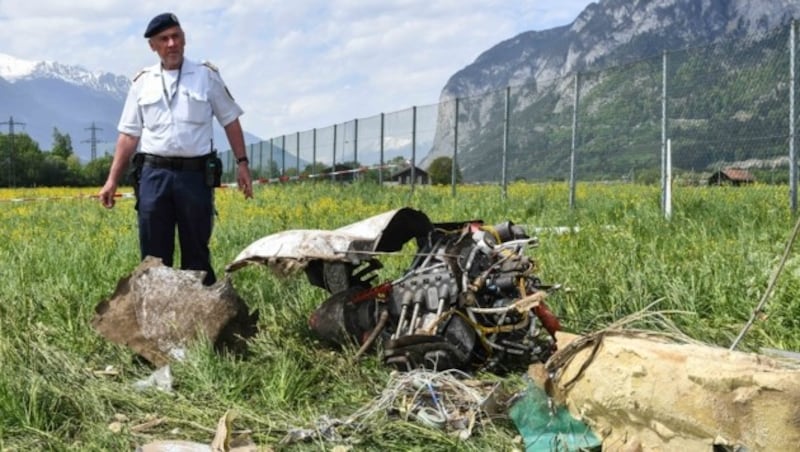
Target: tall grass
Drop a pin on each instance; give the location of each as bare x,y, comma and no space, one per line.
61,257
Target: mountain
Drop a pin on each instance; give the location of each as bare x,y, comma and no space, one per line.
539,65
38,96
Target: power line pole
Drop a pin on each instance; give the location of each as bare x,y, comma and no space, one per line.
93,140
10,159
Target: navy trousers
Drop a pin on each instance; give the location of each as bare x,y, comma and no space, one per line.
170,199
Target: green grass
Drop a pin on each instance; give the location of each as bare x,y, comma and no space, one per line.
713,259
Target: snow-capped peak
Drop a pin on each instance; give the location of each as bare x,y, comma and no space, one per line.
13,69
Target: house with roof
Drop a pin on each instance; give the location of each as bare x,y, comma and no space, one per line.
403,176
731,176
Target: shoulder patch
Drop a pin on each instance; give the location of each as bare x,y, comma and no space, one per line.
210,66
139,74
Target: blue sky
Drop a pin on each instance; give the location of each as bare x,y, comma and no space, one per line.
292,65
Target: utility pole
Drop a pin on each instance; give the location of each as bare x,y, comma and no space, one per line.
10,159
93,140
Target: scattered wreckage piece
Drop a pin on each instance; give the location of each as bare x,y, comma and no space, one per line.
157,310
642,391
470,298
448,401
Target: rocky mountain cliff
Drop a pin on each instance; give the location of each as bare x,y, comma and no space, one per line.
608,33
615,31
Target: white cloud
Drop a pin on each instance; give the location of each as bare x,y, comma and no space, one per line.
291,65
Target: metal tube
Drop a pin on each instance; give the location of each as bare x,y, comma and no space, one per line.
401,321
414,315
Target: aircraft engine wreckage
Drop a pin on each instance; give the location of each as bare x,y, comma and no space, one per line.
470,298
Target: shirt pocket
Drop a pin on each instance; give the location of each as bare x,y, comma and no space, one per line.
153,110
192,107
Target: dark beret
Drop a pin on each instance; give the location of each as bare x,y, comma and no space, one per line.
160,23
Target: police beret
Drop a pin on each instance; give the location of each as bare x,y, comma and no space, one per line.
160,23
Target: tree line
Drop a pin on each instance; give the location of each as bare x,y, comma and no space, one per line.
25,164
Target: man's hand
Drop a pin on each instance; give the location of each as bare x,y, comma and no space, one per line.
244,180
107,194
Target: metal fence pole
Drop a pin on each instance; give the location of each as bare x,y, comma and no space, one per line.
271,155
355,141
663,131
260,157
455,149
314,151
283,155
504,159
383,130
792,118
573,150
333,155
413,147
297,149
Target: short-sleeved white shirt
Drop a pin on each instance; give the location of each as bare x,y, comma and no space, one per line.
177,122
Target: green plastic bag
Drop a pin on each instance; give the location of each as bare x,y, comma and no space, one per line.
546,430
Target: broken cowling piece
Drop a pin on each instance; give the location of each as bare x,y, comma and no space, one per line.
158,310
469,299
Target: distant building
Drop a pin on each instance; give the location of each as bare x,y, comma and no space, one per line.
403,176
731,176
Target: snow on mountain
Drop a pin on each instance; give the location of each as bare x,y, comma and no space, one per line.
13,69
43,96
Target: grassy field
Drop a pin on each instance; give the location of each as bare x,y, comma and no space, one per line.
63,255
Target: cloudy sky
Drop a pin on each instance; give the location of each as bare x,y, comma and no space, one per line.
292,65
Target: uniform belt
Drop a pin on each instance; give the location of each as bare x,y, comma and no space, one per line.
177,163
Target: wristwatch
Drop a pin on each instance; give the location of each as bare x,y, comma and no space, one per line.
242,160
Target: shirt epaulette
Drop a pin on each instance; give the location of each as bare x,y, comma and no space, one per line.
210,66
139,74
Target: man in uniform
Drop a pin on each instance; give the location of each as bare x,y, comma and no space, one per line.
169,112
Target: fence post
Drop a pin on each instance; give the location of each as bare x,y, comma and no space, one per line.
355,142
504,159
297,156
380,171
572,169
663,131
668,186
271,155
413,147
455,149
314,151
283,155
333,156
260,158
792,118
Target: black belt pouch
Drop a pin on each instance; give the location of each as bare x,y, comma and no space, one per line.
213,171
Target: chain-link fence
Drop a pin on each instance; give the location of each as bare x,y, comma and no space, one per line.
724,113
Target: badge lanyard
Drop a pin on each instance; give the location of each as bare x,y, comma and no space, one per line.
177,85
